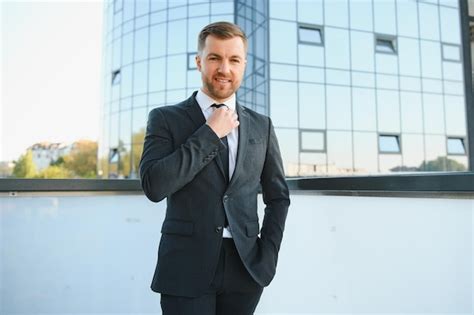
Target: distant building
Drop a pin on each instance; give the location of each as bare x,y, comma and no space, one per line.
44,153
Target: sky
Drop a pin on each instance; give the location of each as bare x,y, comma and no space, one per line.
50,73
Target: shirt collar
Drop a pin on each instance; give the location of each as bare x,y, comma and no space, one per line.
205,101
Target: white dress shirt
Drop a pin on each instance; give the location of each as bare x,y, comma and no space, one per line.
205,103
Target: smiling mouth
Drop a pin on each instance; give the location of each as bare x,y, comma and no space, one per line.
223,80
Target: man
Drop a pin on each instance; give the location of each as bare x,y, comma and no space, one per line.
208,156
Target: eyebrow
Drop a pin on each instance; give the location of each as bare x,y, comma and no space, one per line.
217,55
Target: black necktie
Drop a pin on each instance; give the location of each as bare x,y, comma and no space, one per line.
224,156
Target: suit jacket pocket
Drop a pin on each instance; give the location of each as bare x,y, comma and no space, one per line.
255,140
252,228
178,227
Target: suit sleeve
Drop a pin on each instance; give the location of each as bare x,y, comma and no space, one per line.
275,196
164,170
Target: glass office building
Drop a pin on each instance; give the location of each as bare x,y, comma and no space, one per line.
352,86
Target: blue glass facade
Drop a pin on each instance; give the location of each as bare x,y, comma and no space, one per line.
352,87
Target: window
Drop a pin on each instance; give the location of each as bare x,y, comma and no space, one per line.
386,44
192,61
451,52
310,34
113,155
259,67
456,146
116,77
389,143
118,5
312,140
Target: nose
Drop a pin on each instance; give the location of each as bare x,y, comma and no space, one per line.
224,67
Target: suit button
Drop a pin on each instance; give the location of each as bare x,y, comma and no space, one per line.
226,197
218,229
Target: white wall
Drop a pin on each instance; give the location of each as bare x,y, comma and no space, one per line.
344,255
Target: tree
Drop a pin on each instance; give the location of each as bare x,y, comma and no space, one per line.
82,160
25,167
55,171
442,163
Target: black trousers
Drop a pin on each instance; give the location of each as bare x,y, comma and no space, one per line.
232,291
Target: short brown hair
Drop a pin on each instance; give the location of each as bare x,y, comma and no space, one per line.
221,30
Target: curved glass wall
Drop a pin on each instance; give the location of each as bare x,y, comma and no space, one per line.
352,87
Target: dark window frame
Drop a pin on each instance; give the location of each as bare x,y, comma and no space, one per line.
464,143
300,140
448,59
315,27
388,134
386,38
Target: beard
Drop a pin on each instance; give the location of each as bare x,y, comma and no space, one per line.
216,92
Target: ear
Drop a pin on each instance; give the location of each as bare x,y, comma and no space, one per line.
198,62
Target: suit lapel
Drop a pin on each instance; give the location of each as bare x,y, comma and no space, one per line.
195,113
243,141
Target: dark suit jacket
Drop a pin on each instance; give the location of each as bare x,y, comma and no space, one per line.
180,162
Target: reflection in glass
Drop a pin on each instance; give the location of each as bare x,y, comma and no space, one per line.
125,127
141,44
337,48
336,13
413,152
309,11
431,59
384,17
140,77
363,102
451,52
312,103
434,113
362,79
283,110
389,143
386,63
177,32
338,107
456,146
429,21
127,49
288,141
338,77
176,72
192,61
407,18
312,141
432,86
409,56
452,71
339,151
365,152
309,74
388,111
455,115
285,10
362,52
126,81
310,55
157,74
412,112
158,40
450,30
361,15
283,41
